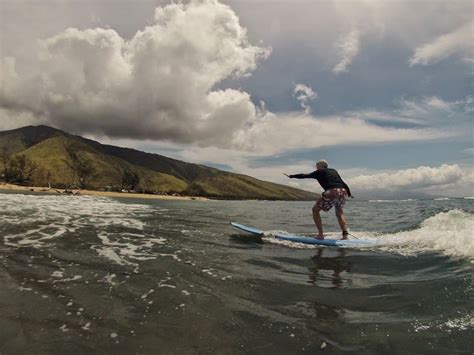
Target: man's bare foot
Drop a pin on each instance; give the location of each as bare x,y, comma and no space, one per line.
320,237
345,235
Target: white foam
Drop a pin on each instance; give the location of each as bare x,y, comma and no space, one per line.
74,278
166,285
462,323
271,239
465,322
393,201
21,289
124,248
57,274
145,295
42,219
162,283
450,233
109,279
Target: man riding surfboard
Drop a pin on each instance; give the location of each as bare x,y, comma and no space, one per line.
335,193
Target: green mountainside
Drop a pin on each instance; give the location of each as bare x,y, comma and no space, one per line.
59,157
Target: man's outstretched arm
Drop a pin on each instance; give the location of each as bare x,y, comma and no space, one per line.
301,176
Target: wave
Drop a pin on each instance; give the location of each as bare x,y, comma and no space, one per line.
449,233
391,201
441,199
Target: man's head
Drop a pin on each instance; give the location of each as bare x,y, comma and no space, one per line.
322,164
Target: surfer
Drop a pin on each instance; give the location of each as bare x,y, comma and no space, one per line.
335,193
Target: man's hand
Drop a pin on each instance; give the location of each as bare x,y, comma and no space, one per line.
287,175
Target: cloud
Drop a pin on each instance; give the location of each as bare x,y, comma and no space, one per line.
11,119
163,84
445,179
432,109
159,84
348,47
272,133
425,111
304,94
458,41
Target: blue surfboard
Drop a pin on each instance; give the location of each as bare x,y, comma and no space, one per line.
306,240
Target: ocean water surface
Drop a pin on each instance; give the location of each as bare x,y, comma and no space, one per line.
86,274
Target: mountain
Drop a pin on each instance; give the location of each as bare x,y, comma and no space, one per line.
59,156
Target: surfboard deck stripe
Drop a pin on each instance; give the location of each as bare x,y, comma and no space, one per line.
303,239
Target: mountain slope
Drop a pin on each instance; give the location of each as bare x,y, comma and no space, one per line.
50,150
51,157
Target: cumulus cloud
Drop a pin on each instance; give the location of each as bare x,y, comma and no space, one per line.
348,48
448,179
159,84
304,94
458,41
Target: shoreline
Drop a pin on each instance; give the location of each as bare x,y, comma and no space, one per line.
78,192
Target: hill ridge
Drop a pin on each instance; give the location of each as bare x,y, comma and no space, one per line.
52,151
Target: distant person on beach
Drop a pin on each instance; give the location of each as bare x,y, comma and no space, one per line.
335,193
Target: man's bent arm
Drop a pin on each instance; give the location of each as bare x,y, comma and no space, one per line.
347,188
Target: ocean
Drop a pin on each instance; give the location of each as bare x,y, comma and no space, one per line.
83,274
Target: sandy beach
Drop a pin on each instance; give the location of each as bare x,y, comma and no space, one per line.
36,189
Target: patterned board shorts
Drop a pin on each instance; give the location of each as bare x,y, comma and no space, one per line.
334,197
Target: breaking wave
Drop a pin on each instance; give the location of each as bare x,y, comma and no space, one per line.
450,233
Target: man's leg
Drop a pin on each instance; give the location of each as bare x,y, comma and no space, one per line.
317,221
342,221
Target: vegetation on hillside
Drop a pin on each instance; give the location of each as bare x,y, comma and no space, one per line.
42,156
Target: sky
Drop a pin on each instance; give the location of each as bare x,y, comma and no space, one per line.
383,90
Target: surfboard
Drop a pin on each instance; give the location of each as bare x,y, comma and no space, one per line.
304,239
